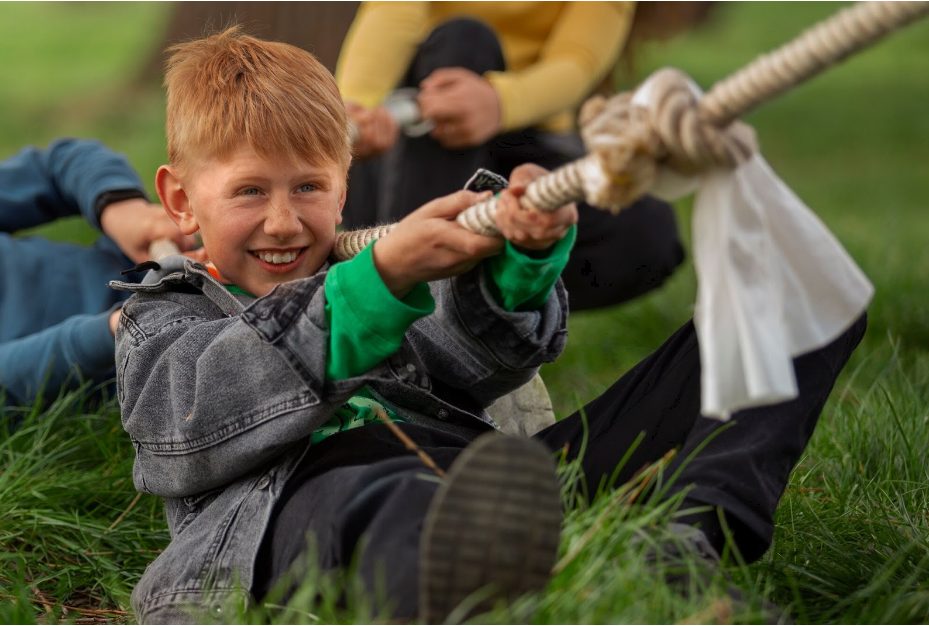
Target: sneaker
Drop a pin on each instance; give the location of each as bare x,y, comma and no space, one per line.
674,556
492,530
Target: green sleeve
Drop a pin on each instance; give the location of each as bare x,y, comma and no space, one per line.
366,321
524,282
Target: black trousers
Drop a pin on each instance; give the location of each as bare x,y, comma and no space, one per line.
364,492
616,257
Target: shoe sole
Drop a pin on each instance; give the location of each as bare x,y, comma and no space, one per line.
493,527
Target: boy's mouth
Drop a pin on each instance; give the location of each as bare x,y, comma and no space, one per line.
279,261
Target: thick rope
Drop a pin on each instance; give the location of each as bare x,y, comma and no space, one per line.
814,50
628,143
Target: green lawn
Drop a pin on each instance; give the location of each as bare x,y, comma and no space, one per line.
851,543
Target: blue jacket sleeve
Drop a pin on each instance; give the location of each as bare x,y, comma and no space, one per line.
67,178
60,357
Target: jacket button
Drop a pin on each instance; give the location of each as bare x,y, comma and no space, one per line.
263,482
443,414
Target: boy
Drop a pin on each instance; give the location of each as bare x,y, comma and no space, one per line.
253,400
57,316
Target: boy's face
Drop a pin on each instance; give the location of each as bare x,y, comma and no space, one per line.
263,222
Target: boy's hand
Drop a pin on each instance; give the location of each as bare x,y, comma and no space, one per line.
134,224
524,225
464,106
376,129
428,244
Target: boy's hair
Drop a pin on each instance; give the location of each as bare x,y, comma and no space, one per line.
230,88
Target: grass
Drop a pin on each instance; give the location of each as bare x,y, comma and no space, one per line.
851,541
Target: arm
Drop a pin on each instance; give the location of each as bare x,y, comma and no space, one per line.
70,177
60,357
509,316
368,324
378,49
508,296
580,50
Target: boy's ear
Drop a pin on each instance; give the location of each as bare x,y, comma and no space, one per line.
341,203
175,200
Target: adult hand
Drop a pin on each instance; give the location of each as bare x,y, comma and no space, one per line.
376,130
428,244
464,106
134,224
523,224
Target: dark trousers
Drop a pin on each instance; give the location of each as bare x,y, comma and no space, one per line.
741,467
616,257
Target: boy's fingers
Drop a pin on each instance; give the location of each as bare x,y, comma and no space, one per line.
471,245
524,174
451,205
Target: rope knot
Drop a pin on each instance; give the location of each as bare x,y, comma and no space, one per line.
624,151
630,140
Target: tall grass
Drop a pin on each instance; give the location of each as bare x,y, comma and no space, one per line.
851,537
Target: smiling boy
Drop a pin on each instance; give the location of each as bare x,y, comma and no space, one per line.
255,401
251,388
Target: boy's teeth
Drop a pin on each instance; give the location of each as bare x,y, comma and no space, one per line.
277,257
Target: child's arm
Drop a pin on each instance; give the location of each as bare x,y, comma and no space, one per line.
70,177
61,356
373,299
499,322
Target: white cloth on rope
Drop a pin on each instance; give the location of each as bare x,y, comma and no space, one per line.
772,281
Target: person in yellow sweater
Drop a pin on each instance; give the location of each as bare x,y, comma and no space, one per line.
499,82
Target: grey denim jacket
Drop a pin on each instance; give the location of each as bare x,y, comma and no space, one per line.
220,395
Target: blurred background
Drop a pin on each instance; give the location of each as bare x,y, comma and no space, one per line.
854,143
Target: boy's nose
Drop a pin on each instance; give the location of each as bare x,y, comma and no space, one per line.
282,221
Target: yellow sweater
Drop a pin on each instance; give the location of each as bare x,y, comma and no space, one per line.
556,52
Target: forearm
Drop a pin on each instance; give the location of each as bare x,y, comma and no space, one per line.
58,358
581,49
70,177
366,322
522,282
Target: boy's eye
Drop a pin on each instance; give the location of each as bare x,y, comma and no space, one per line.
250,191
307,187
